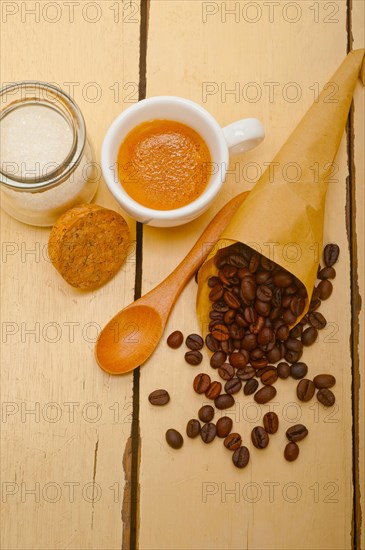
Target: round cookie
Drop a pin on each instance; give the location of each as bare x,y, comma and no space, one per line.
88,244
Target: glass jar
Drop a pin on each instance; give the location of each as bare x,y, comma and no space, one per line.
46,161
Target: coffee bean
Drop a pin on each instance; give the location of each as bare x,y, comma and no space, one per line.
238,360
254,262
296,331
265,336
259,363
229,316
159,397
233,441
317,320
325,289
174,438
193,428
224,401
175,339
314,305
327,273
213,281
269,377
226,371
233,386
293,356
249,342
274,355
193,357
326,397
208,432
282,279
291,452
324,381
297,305
241,457
265,394
194,342
282,332
283,370
330,254
220,333
289,317
231,300
217,359
250,387
293,344
248,290
206,413
201,382
224,426
264,293
211,343
309,336
267,264
216,293
305,390
298,370
271,422
220,307
246,373
297,432
214,390
259,437
237,260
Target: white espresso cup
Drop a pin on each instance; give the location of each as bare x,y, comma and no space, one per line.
235,138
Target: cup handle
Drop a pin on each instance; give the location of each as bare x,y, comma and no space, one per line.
243,135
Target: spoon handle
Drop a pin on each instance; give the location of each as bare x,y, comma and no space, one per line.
171,287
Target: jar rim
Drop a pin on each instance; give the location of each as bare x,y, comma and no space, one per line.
75,119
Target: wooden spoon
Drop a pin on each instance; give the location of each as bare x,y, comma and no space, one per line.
132,335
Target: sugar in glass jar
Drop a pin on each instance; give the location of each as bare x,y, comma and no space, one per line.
46,161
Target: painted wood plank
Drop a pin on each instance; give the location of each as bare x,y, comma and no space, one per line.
247,64
62,465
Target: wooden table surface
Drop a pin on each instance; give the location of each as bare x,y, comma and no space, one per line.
84,459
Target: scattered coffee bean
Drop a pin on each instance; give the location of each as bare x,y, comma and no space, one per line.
175,339
325,289
330,254
214,390
293,356
194,358
233,386
174,438
271,422
327,273
250,387
317,320
159,397
269,377
291,451
297,432
226,371
224,426
238,360
208,432
194,342
201,382
305,390
217,359
246,373
233,441
259,437
324,381
224,401
283,370
298,370
193,428
206,413
211,343
265,394
241,457
326,397
309,336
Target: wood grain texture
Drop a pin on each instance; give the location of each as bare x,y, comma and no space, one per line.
70,451
194,498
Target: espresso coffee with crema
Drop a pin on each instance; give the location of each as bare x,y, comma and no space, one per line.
164,164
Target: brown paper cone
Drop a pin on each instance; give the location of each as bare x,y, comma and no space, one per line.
282,218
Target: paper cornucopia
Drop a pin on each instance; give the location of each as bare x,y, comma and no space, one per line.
282,218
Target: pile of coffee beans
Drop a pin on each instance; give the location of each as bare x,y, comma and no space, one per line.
255,304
